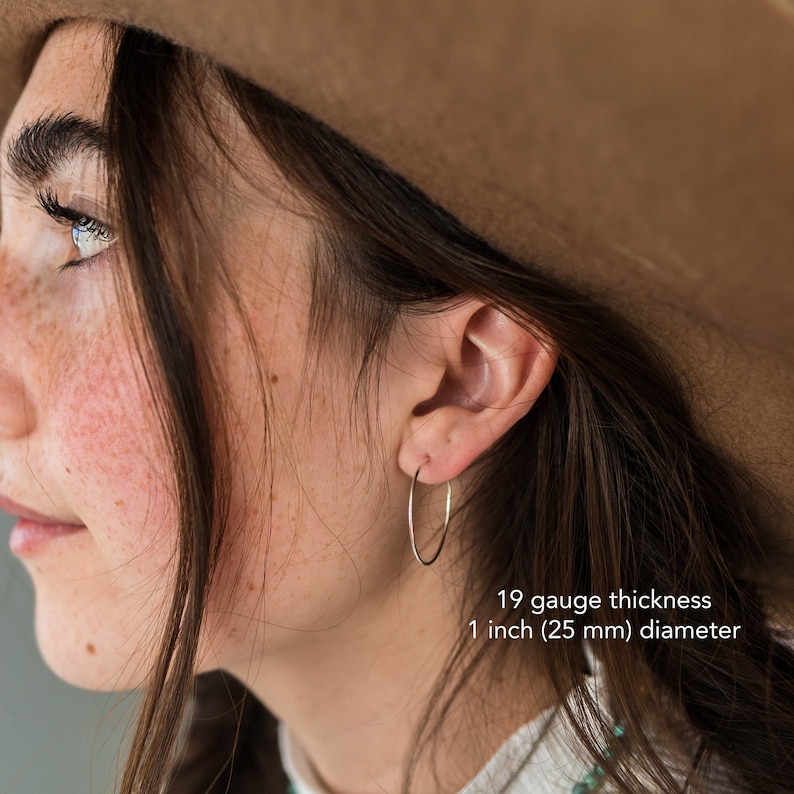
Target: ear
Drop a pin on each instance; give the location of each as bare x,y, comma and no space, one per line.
476,372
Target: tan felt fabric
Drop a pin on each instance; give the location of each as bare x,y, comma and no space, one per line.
644,150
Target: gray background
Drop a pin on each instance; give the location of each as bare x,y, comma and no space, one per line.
54,739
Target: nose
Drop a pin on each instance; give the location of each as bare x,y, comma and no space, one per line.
17,413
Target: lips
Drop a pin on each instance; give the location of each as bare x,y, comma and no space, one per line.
35,531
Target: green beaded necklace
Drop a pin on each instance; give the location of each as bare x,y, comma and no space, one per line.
594,776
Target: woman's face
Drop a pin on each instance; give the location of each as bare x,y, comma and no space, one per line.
82,458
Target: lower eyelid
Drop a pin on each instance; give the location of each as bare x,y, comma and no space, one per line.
85,263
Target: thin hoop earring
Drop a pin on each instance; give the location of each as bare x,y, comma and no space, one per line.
411,533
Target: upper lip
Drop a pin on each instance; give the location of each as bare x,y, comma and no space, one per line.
16,509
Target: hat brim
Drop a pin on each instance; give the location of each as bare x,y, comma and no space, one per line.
644,152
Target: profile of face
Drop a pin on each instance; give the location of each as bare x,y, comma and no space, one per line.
317,543
82,458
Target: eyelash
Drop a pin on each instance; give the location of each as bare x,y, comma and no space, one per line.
48,200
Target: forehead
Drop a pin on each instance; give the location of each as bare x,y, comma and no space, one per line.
70,76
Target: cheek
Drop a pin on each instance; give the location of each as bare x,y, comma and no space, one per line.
107,437
101,599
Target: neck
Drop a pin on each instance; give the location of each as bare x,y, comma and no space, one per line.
353,696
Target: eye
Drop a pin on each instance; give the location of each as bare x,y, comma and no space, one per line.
90,237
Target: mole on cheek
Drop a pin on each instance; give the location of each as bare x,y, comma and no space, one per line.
89,646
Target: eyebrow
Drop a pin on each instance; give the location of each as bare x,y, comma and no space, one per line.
41,147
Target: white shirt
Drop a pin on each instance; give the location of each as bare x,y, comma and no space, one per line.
536,759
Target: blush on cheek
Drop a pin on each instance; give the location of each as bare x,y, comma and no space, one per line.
102,598
107,434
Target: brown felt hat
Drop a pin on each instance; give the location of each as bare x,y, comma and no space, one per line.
641,150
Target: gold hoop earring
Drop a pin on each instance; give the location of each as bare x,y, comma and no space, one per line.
411,533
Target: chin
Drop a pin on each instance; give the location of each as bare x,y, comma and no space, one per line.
86,655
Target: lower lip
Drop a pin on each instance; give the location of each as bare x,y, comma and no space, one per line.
30,537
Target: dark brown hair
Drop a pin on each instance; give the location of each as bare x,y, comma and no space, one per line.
606,483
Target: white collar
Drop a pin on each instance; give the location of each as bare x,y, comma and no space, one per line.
536,759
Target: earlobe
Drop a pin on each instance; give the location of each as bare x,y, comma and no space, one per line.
488,372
